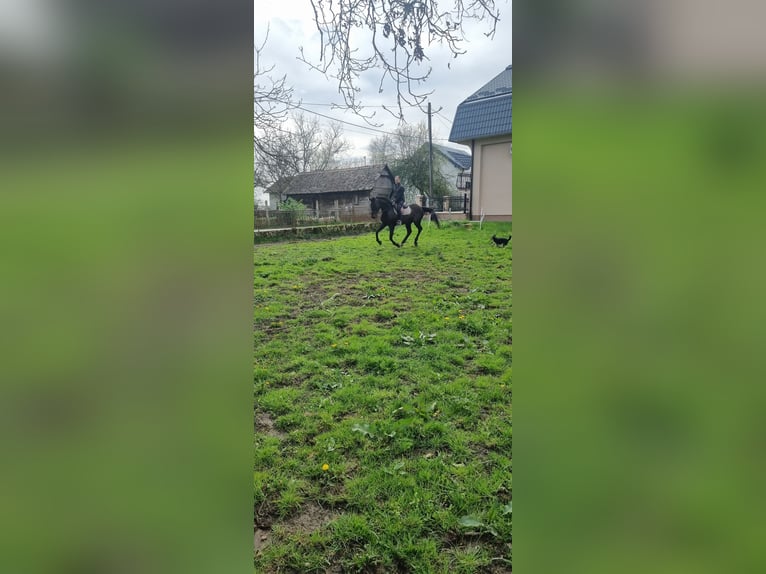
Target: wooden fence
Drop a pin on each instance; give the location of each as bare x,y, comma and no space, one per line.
289,219
266,218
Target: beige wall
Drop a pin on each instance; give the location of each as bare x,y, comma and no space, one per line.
493,179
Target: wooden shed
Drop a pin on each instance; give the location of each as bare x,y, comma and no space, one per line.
336,188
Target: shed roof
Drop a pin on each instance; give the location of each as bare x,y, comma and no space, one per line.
332,180
487,112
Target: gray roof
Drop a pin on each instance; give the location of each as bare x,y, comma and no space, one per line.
486,112
332,180
460,158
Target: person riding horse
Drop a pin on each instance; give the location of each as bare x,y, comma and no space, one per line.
397,196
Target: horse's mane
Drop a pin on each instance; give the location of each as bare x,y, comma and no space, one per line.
382,199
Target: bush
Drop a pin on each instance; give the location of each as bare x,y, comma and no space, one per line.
296,209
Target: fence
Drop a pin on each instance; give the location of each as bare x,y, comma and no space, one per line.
452,203
285,219
266,218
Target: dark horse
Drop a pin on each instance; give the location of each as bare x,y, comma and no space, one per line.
389,218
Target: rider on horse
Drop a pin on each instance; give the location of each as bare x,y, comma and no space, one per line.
397,196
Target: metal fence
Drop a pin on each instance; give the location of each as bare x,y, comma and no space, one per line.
285,219
454,203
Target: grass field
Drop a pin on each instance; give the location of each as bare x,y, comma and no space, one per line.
383,418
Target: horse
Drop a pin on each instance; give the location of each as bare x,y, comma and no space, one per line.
388,217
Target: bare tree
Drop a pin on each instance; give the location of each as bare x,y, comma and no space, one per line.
272,99
410,138
403,142
406,153
333,144
383,149
399,32
286,144
303,144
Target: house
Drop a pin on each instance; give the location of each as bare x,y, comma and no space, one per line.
335,189
259,194
483,121
454,165
260,197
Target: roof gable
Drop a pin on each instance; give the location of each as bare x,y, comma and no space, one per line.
459,158
487,112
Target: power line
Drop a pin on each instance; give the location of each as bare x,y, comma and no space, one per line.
444,123
360,126
445,118
342,121
367,128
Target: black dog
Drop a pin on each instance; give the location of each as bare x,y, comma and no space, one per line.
501,241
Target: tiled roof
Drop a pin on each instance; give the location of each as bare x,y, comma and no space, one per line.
500,84
460,158
487,112
331,181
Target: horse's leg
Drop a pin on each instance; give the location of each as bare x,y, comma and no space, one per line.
409,231
391,233
420,228
382,225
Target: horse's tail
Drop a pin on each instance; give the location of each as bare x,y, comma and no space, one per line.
433,215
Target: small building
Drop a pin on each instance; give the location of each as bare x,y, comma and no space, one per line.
483,121
334,189
454,165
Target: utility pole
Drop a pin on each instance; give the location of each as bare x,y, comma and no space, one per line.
430,156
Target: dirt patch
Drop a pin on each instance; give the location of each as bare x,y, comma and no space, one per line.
262,539
312,517
265,425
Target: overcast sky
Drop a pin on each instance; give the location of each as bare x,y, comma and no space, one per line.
291,26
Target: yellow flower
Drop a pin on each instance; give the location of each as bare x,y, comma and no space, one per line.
325,467
446,318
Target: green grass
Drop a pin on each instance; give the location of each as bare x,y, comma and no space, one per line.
393,368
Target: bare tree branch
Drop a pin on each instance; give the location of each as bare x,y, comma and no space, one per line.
271,96
272,99
307,146
383,149
406,153
398,33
